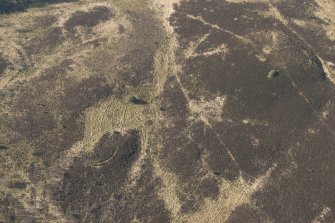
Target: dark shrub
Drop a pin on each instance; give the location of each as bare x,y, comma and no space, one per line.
137,101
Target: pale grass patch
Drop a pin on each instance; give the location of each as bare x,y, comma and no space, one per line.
164,65
273,12
208,111
268,41
218,50
311,131
329,68
326,11
255,122
191,50
111,115
232,195
300,22
39,197
11,39
193,45
321,217
255,141
169,188
166,9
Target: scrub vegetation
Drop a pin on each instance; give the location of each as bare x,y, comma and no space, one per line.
163,111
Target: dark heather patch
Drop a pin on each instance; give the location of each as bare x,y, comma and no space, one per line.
121,29
76,98
18,185
12,211
218,159
7,7
86,187
35,110
211,13
185,157
53,37
304,189
80,95
316,37
141,202
297,9
98,194
246,213
30,119
3,147
140,57
280,111
46,43
3,65
141,61
313,33
208,188
197,192
174,108
88,19
45,21
56,72
105,148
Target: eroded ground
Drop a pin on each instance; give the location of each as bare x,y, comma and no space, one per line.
215,140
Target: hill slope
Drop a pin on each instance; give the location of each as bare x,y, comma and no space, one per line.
213,139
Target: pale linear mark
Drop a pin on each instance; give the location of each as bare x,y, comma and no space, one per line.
219,49
190,51
232,195
231,155
185,91
323,122
286,23
257,185
245,40
214,26
189,101
321,217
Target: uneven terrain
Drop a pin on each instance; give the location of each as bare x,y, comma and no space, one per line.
207,136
